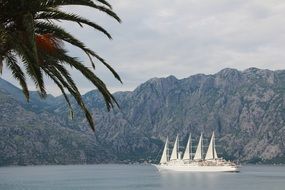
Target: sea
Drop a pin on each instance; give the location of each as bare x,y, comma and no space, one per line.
137,177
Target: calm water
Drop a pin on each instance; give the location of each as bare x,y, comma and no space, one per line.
139,177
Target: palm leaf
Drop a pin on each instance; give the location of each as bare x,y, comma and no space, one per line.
17,72
77,96
108,97
88,3
60,15
45,27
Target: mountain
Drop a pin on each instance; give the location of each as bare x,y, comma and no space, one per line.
246,109
32,135
36,103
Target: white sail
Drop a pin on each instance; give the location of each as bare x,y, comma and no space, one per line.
199,152
175,150
164,159
211,152
187,155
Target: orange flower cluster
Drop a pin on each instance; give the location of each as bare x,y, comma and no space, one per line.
47,43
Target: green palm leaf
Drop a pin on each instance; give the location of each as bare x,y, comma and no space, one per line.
60,15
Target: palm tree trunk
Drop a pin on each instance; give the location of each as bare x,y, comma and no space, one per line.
28,35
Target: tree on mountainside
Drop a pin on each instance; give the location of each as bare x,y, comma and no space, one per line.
32,44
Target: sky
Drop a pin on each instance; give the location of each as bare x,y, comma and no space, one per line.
158,38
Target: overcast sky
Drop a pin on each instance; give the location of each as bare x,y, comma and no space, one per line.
158,38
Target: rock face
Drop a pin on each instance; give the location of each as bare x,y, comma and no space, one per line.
245,109
41,137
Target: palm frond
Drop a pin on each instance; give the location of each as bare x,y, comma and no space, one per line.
85,71
75,93
105,3
61,87
25,45
31,64
60,15
45,27
116,75
17,72
88,3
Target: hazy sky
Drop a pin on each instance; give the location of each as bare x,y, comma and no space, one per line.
158,38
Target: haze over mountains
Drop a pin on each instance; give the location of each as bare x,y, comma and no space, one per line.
245,109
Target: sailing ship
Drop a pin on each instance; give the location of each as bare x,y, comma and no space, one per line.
210,163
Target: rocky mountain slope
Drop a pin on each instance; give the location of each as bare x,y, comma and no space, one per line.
245,109
41,137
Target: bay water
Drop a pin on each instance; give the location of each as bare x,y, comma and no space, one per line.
140,177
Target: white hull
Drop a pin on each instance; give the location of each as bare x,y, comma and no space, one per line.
197,168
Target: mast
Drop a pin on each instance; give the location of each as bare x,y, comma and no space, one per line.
191,149
199,152
187,154
214,143
175,150
164,158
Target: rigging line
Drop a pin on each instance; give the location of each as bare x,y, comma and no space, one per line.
160,150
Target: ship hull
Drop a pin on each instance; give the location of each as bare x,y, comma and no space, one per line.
193,168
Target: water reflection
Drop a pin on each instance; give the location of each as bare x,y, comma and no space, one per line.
250,178
175,180
138,177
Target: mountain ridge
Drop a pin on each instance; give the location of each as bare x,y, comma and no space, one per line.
244,108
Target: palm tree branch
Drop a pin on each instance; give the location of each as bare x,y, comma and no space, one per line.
116,75
52,2
60,15
77,96
63,77
58,32
105,3
88,3
109,99
17,72
60,86
31,64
